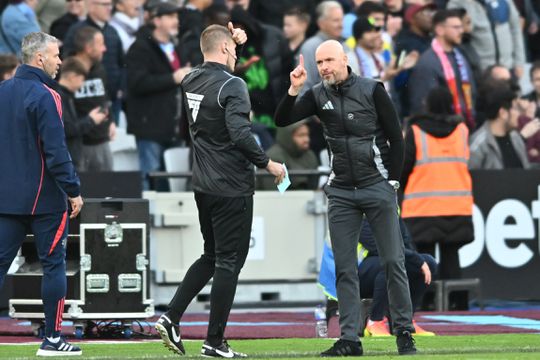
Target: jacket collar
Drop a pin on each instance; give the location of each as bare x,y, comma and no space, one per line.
344,85
215,65
28,72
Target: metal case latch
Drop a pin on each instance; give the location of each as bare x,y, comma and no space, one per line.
141,262
128,283
97,283
86,262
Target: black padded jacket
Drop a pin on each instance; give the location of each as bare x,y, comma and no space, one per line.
217,106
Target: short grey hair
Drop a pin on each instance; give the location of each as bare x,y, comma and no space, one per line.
324,7
33,43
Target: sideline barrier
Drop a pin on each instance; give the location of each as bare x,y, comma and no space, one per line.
505,254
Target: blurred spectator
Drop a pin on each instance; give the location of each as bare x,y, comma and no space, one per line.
99,15
89,47
126,20
491,76
271,12
330,22
529,129
47,11
350,17
529,123
8,66
72,76
16,21
497,144
437,203
497,72
263,65
395,10
371,64
75,12
467,47
533,30
155,71
292,149
244,4
417,36
496,34
529,19
377,14
444,65
216,14
295,25
191,26
534,95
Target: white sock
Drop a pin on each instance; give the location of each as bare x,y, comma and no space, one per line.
54,340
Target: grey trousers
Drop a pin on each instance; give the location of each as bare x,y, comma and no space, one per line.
345,211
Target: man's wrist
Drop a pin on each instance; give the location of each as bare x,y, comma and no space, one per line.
293,92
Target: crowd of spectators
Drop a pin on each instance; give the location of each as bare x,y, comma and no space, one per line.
128,58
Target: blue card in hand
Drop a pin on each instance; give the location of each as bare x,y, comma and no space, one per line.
285,183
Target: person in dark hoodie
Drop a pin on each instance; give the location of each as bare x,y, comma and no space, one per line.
437,203
262,64
292,149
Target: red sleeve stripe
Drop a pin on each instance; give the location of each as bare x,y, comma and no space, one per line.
57,101
41,177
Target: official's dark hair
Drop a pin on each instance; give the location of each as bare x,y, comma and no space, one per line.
439,101
499,96
212,36
369,7
83,36
300,13
74,66
535,67
442,15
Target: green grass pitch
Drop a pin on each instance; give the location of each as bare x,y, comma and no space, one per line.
507,347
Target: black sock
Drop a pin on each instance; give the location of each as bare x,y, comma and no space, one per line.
174,316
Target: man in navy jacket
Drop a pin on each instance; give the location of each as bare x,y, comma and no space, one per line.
37,178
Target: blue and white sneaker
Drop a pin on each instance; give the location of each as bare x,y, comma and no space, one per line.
59,348
170,334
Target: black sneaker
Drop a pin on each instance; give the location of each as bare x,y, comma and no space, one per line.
170,334
59,348
405,343
222,351
344,348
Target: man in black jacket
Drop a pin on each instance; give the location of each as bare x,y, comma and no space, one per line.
217,106
89,47
155,71
72,76
366,151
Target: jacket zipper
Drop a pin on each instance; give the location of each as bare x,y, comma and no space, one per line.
346,135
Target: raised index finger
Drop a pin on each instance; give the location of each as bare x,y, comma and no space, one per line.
301,60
